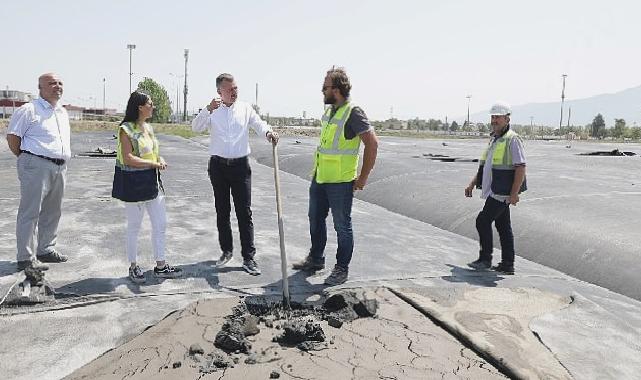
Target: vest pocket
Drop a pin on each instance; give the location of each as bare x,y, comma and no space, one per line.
329,168
502,181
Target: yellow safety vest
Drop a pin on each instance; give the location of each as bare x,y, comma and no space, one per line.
336,158
143,147
502,165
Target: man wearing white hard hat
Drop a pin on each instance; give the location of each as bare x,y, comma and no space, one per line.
501,178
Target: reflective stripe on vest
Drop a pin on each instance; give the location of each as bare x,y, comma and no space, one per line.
140,145
336,158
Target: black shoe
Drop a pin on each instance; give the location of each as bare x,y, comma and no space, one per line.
480,264
250,266
136,275
52,257
168,272
338,276
224,258
35,264
504,268
308,265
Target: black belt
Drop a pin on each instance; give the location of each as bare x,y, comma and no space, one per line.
57,161
229,161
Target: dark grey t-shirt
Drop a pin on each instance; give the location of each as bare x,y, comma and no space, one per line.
356,124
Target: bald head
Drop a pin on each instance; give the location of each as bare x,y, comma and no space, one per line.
50,86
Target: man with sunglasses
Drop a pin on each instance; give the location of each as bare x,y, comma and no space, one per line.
501,178
39,135
228,121
344,126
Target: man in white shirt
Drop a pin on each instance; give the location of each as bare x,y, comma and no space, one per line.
228,121
39,135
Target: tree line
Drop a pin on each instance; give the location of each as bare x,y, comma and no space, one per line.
597,129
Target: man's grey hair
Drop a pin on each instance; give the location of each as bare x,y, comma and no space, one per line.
222,77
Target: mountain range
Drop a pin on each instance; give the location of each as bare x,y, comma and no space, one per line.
624,104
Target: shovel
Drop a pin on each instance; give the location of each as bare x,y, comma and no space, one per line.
281,232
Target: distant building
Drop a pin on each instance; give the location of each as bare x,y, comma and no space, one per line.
99,111
82,113
10,100
395,124
74,112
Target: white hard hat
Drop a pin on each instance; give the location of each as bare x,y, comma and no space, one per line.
500,109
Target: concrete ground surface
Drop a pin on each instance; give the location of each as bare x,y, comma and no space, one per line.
580,214
98,309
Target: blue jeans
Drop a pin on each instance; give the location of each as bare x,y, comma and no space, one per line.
338,197
499,213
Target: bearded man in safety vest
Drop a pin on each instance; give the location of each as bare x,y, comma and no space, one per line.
501,178
335,176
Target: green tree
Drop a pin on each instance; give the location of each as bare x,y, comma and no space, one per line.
635,133
158,94
454,126
598,126
619,128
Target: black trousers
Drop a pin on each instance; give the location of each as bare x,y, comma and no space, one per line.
233,176
499,213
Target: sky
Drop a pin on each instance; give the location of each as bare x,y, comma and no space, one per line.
404,58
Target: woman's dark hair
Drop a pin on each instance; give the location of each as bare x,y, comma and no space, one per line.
136,100
339,79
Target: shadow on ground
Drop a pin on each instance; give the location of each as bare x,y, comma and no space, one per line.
487,278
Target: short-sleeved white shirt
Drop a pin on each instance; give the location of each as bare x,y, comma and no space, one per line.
44,129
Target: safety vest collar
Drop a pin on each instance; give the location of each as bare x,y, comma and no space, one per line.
339,119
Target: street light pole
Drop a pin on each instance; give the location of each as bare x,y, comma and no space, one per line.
468,110
131,47
104,92
185,90
177,105
562,101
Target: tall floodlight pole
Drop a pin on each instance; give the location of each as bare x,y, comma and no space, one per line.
468,110
104,92
562,101
185,89
131,47
177,104
256,94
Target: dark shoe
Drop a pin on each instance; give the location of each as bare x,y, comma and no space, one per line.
308,265
224,258
136,275
53,257
504,268
35,264
337,277
480,264
251,267
168,272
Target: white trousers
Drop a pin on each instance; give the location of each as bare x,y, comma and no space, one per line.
156,210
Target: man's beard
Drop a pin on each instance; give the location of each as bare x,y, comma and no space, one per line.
330,99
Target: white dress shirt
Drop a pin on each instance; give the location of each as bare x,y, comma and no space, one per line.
229,128
43,129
